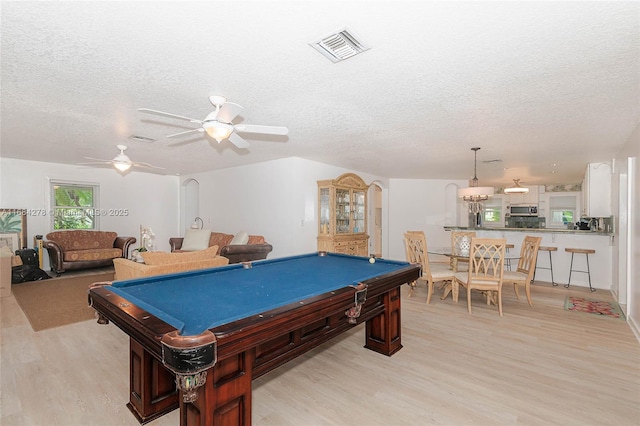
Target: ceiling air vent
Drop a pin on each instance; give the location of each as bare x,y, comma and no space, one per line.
141,138
339,46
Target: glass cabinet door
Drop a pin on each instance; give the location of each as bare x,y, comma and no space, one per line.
324,210
358,211
343,211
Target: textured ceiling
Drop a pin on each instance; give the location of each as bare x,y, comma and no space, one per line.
532,83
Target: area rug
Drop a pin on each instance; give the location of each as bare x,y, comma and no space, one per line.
590,306
58,301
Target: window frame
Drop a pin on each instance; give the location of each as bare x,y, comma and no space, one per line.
54,184
562,202
495,204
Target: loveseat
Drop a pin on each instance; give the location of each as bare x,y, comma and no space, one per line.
81,249
237,248
159,263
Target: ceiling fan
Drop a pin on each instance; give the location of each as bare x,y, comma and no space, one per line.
218,123
121,162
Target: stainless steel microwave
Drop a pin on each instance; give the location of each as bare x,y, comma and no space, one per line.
523,210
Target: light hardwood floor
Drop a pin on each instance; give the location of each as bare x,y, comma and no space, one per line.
535,366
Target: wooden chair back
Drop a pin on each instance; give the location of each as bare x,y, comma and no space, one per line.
486,261
455,238
529,256
415,244
455,245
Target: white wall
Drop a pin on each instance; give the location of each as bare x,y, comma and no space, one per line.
419,204
151,200
628,227
277,199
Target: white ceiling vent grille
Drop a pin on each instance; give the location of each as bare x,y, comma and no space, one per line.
141,138
340,46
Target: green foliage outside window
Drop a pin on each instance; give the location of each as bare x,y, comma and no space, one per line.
562,216
491,214
74,207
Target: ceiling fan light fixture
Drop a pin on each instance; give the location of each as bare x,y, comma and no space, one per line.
121,161
121,166
217,130
516,188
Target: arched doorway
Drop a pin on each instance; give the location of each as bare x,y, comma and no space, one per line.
190,194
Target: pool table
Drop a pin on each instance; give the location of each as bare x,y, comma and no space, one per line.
198,338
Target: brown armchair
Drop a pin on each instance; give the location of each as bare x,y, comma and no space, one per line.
80,249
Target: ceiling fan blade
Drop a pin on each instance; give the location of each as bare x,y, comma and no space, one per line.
228,111
186,132
102,160
267,130
95,163
235,139
147,165
166,114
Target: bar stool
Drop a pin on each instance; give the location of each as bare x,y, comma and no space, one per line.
507,260
548,249
587,252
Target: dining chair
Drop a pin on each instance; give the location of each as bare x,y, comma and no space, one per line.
415,244
486,269
455,243
523,275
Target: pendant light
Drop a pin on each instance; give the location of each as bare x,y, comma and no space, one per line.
516,188
475,193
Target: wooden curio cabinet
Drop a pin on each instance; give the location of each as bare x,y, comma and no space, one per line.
342,213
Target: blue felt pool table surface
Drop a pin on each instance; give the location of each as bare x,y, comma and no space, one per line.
199,300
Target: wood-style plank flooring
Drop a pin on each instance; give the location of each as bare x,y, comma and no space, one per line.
535,366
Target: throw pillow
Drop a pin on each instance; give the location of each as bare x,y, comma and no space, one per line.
153,258
240,238
256,239
196,239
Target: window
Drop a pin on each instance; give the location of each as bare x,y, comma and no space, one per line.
74,205
562,216
492,212
562,210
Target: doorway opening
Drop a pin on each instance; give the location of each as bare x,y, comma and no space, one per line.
375,220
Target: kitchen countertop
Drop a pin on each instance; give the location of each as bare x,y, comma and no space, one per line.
530,230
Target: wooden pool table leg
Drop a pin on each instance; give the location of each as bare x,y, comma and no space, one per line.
153,391
225,399
383,330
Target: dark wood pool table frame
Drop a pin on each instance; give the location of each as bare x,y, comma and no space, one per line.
247,348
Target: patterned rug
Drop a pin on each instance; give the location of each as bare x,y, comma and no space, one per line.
590,306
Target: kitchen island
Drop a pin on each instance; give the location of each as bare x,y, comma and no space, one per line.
600,263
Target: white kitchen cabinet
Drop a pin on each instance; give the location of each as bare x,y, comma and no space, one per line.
530,197
596,190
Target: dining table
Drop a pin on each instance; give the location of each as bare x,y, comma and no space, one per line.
455,257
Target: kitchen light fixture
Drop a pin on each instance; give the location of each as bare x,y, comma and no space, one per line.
475,194
516,188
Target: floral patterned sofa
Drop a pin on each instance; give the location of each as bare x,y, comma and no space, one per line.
80,249
249,248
